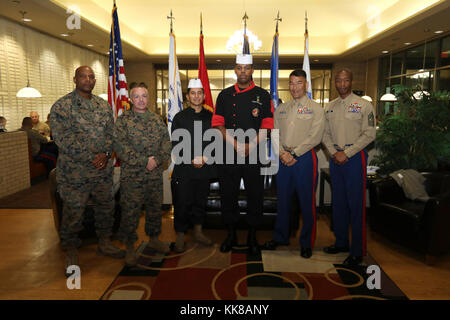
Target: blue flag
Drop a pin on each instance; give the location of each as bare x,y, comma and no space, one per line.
274,63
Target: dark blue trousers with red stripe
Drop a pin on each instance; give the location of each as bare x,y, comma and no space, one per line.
300,178
348,182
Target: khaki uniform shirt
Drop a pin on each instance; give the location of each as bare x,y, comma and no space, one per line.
36,140
301,125
349,125
42,128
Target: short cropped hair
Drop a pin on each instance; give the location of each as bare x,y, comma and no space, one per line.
345,70
298,73
138,85
2,118
27,121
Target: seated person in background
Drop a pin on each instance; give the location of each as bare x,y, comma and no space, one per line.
39,126
3,124
41,149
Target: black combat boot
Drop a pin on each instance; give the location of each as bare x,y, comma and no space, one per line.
252,243
230,241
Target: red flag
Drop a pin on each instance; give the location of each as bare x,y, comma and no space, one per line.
203,76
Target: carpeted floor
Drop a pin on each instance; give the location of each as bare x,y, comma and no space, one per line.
204,273
35,197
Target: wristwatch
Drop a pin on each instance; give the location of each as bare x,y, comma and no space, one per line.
293,153
108,154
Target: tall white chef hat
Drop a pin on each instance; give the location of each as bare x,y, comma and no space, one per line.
195,83
244,59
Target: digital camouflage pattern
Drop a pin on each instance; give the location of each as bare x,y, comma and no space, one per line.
136,138
81,129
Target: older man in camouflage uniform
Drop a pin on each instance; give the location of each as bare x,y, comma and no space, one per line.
142,143
83,127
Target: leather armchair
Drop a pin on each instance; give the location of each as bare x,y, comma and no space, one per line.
422,226
213,219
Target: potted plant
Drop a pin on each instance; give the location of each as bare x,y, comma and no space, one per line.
417,135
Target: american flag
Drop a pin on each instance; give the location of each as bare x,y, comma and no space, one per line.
117,84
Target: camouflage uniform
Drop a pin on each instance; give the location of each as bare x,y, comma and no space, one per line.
138,136
81,129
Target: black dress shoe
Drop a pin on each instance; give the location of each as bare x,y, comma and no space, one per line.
270,245
306,253
230,241
352,261
333,249
252,243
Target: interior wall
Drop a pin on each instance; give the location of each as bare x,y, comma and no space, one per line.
143,72
51,64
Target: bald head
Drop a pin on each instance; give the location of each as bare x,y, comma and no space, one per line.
84,80
34,117
83,68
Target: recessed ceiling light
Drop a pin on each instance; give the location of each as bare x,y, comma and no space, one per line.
439,31
218,60
384,51
90,45
316,60
267,60
64,35
407,43
27,20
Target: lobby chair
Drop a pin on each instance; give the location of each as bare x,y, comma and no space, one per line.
421,226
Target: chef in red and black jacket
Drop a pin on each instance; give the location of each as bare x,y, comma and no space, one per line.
242,106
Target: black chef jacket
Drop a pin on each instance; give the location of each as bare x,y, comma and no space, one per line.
249,108
243,109
185,119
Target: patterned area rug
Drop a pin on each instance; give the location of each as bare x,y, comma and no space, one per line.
204,273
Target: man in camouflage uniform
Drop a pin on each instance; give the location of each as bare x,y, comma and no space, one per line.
83,125
142,143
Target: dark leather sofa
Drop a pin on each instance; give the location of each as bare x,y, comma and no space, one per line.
213,219
88,232
422,226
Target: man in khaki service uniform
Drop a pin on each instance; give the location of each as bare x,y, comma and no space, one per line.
349,128
301,123
39,126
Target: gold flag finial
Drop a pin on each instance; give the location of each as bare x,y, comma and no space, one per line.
171,17
278,19
245,18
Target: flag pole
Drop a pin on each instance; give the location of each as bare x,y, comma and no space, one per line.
201,23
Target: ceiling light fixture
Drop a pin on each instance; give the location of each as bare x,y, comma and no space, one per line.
439,31
90,45
384,51
407,43
236,41
28,91
64,35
